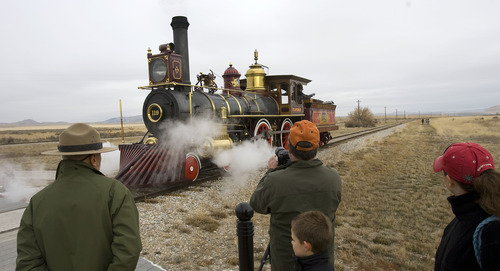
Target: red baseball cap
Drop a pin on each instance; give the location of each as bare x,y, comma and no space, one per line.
464,161
304,135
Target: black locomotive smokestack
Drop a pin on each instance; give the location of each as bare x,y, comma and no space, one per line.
180,26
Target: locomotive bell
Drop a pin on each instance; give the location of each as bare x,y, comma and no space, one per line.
255,76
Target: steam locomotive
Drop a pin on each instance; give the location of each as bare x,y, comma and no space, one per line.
258,107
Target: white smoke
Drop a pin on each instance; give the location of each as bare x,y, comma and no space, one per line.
244,159
110,161
19,186
183,135
179,138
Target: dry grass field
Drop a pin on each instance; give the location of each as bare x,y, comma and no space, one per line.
394,206
391,217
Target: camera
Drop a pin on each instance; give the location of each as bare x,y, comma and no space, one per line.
283,157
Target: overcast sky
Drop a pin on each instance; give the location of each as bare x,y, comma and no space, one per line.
73,61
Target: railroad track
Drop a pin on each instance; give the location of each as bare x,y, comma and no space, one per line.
350,136
212,173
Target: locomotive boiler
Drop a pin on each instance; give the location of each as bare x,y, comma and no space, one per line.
257,107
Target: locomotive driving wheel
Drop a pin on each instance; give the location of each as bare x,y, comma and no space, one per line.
262,130
324,138
193,167
286,125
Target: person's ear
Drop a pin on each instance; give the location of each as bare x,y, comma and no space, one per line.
449,181
94,161
307,246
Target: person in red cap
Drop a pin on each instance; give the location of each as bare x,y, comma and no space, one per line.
83,220
472,239
302,185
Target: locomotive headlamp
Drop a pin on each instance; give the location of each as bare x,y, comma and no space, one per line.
165,67
158,70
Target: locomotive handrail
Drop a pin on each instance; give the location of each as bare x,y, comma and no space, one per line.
151,87
266,116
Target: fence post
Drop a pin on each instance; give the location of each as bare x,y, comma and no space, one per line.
244,230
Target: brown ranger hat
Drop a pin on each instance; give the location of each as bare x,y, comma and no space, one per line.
78,139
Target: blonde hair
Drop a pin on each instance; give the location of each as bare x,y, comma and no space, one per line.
488,187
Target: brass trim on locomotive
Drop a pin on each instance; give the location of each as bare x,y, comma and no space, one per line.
211,102
227,103
158,112
238,102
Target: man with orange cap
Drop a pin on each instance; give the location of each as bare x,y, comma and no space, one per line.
302,185
83,220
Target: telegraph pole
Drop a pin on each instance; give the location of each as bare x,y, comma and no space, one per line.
359,114
385,114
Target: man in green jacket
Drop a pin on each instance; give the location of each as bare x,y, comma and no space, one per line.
83,220
302,185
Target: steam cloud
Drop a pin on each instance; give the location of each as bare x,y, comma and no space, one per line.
244,159
183,135
20,186
110,161
17,185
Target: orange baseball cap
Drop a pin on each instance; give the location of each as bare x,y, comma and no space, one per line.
304,135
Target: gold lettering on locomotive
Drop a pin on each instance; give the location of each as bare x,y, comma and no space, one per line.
154,112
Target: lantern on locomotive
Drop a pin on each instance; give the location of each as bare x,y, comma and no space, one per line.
164,67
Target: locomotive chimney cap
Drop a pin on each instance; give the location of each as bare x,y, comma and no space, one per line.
179,21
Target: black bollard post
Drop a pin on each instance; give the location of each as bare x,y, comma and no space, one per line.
244,230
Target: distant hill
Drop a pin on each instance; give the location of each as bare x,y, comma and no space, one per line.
30,122
494,110
134,119
27,122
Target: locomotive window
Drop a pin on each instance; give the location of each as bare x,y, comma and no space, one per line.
284,93
158,70
273,88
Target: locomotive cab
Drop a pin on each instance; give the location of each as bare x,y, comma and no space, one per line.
288,91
